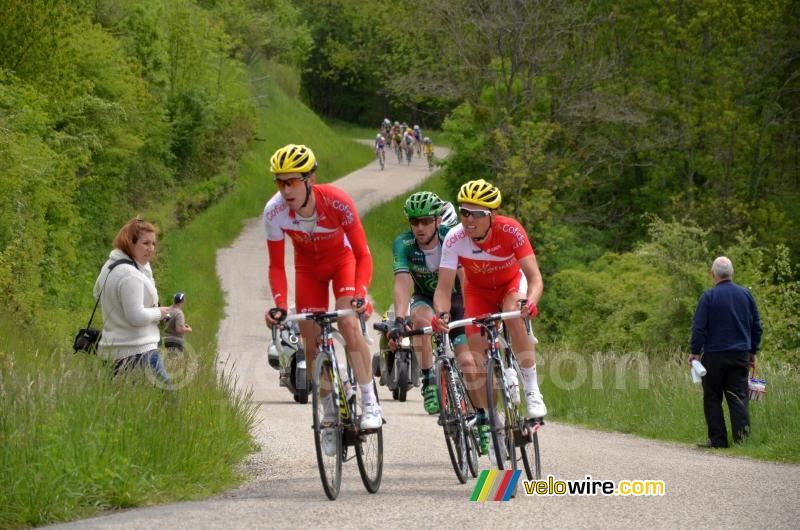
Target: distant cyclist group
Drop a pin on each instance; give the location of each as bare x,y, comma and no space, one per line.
404,142
451,264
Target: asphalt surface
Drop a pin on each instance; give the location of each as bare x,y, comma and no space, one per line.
702,488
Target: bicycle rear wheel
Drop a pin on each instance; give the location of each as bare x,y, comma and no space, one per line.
501,420
327,431
451,417
369,455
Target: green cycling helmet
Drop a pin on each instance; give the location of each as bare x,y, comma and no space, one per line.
423,204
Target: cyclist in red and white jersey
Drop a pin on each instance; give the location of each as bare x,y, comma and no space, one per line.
329,246
500,272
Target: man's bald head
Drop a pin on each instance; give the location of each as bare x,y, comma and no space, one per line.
722,268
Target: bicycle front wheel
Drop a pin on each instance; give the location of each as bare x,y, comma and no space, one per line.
528,441
451,417
369,455
328,428
501,420
470,425
531,458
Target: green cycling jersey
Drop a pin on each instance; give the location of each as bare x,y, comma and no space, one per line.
408,257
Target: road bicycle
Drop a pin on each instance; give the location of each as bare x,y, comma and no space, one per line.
510,429
457,416
398,149
409,153
336,410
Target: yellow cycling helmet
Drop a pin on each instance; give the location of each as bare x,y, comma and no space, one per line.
481,193
293,159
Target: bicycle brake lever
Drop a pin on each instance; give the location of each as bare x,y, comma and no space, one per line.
370,340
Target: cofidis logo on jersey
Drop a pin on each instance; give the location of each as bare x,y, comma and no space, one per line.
495,485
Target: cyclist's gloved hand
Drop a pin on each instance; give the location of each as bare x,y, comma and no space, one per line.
528,308
402,324
439,322
360,305
274,316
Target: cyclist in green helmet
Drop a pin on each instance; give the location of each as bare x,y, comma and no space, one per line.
416,266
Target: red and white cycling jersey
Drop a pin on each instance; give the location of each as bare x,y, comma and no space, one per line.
337,235
492,263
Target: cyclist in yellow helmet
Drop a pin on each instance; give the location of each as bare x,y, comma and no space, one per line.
329,247
500,272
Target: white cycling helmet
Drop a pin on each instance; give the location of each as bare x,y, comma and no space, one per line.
448,213
378,136
416,127
427,140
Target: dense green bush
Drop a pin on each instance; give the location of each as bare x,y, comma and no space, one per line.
645,299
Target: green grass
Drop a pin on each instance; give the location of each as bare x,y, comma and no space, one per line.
72,441
655,398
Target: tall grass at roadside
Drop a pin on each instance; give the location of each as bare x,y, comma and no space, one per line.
72,440
653,396
656,398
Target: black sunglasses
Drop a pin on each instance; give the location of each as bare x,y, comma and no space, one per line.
425,221
477,214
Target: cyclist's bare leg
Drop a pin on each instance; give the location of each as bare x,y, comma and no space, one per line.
310,333
466,363
358,354
476,376
523,346
421,317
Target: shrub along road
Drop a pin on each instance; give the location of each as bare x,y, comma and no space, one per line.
703,489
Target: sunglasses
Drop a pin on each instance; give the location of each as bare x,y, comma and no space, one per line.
289,183
424,221
477,214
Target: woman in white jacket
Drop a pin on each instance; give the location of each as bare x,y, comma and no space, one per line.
129,300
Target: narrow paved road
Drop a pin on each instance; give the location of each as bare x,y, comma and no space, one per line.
703,489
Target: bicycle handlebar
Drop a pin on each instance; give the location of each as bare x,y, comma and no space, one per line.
386,328
484,319
321,315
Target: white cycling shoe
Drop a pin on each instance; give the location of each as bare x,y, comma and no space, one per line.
534,403
371,418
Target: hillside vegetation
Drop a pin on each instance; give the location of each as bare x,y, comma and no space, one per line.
108,135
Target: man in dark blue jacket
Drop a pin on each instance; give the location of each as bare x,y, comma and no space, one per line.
726,331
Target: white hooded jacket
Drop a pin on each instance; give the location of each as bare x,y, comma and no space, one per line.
130,309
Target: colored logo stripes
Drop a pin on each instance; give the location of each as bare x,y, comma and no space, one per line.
495,485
